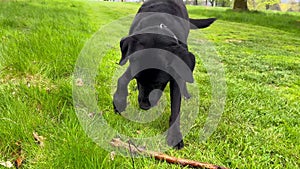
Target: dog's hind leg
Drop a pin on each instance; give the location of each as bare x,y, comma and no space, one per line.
120,96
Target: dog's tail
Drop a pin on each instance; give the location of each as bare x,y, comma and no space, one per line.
201,23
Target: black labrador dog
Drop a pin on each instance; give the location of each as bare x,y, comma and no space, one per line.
158,54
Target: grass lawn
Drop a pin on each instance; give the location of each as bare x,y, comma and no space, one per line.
41,41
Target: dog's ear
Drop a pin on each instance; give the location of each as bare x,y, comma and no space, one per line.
126,45
189,60
201,23
185,72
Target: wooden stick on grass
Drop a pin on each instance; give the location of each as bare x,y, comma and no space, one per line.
116,142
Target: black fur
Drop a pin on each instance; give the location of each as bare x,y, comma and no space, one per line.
166,34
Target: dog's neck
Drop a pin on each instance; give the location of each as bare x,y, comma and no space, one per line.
155,30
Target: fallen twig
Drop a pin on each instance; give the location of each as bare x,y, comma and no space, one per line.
116,142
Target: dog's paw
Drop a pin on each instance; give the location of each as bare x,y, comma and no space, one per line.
115,109
175,142
119,104
179,146
187,96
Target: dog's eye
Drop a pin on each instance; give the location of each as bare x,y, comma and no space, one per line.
173,44
140,46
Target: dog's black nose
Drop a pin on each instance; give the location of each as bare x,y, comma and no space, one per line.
147,102
145,105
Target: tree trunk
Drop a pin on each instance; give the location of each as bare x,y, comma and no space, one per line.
240,5
254,4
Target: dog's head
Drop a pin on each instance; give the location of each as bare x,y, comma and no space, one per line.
151,82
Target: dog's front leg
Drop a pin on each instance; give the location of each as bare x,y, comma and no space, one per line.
120,96
174,137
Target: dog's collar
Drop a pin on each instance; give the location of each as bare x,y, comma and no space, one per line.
163,26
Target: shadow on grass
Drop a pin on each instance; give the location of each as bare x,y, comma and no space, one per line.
271,19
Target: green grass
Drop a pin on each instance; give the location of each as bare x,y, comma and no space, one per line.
40,43
278,20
